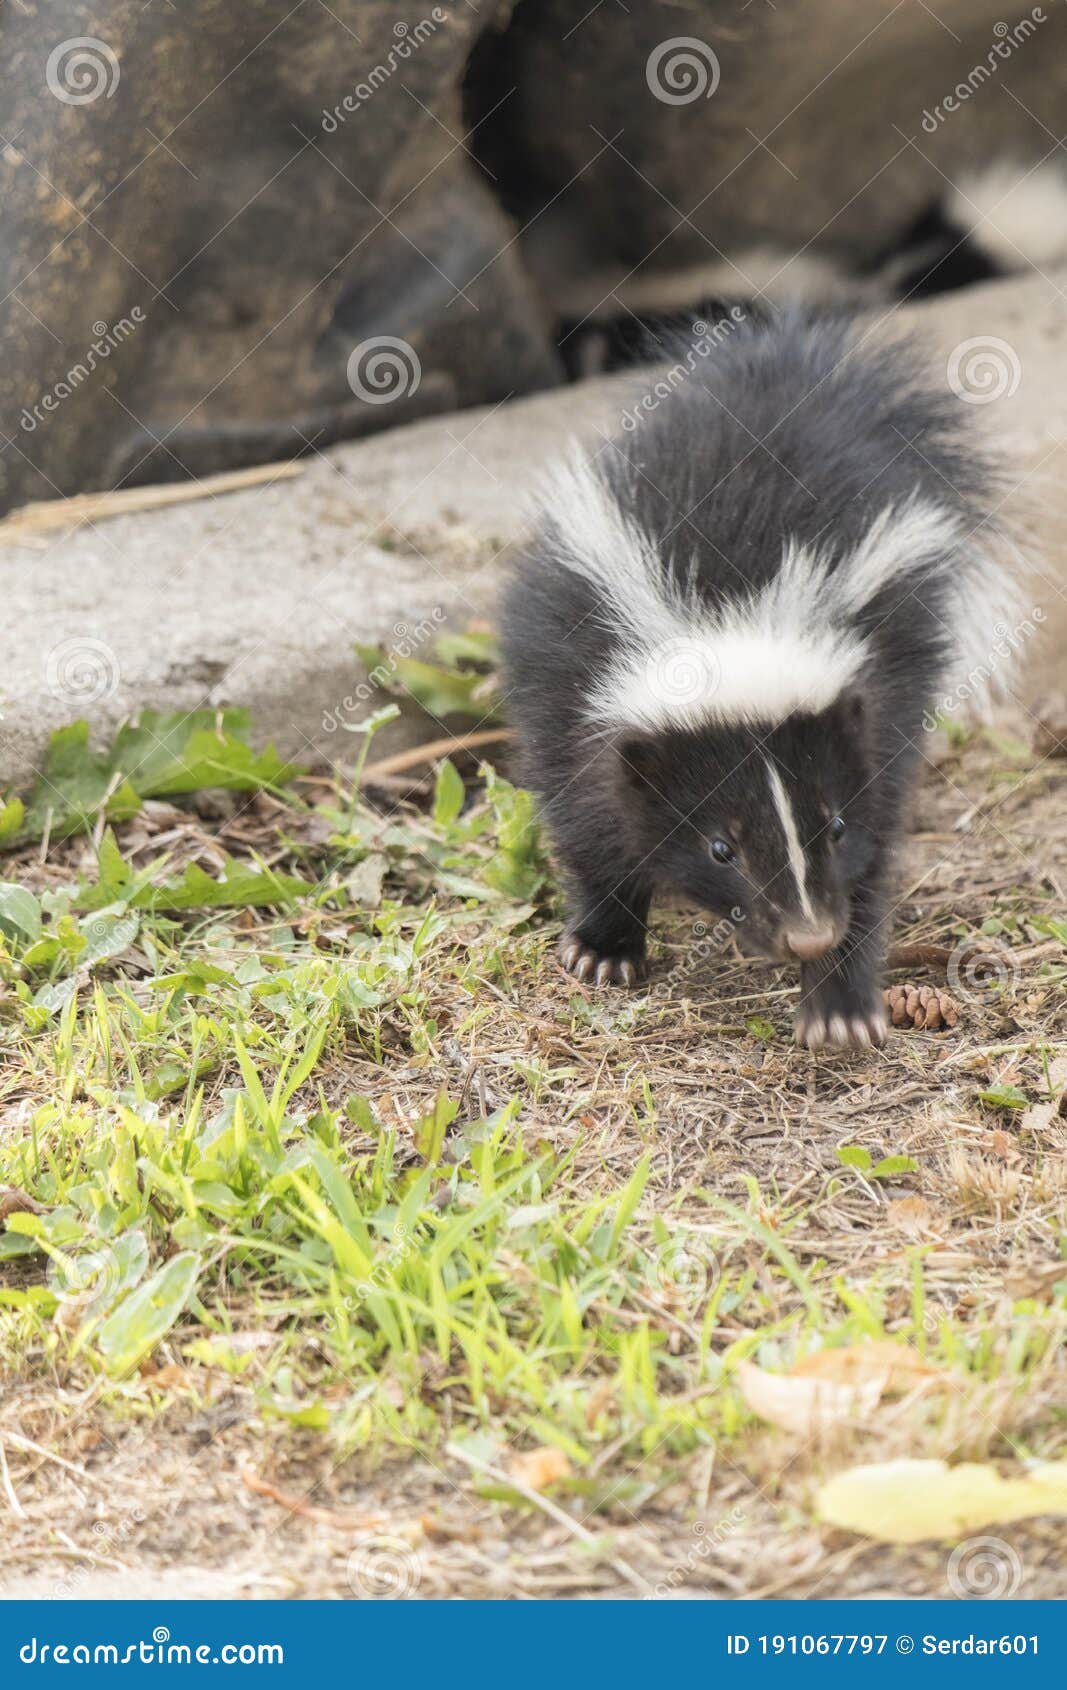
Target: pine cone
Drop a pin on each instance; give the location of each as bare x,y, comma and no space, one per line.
923,1007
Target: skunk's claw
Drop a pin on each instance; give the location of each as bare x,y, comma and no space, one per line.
852,1027
586,964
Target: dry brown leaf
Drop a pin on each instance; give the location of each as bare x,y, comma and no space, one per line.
13,1201
1003,1145
806,1406
168,1378
899,1368
536,1468
1035,1281
445,1531
910,1214
1040,1116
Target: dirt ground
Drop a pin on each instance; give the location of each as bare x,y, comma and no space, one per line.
208,1500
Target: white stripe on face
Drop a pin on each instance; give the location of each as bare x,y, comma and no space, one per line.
792,838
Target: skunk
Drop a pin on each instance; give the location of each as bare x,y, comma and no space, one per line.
721,642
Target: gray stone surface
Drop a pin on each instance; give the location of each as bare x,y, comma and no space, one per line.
256,598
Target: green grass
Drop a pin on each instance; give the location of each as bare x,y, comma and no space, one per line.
206,1060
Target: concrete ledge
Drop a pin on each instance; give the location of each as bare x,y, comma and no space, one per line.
257,598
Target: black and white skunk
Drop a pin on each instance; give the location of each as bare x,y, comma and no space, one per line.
720,646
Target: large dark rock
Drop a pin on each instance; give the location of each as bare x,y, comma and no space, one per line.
228,199
208,207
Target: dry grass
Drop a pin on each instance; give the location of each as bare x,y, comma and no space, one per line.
699,1073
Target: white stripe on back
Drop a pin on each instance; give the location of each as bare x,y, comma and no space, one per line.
794,848
755,659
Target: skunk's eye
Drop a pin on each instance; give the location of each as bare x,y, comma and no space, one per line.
837,828
721,851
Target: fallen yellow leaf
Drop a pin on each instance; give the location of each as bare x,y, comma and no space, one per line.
906,1501
899,1368
536,1468
806,1406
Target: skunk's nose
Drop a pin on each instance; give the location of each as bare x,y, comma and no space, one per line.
807,943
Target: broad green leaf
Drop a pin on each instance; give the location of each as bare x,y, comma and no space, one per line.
449,793
239,886
107,935
159,755
1004,1097
759,1028
134,1329
854,1156
20,913
890,1165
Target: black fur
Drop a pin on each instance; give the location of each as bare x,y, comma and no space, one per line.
786,430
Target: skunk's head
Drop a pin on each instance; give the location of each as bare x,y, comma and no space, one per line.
771,829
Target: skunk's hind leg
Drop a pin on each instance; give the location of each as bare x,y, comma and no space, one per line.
604,937
841,1001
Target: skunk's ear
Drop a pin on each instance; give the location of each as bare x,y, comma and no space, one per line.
853,720
640,761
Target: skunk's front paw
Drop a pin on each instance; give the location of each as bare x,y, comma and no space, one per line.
836,1014
584,963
